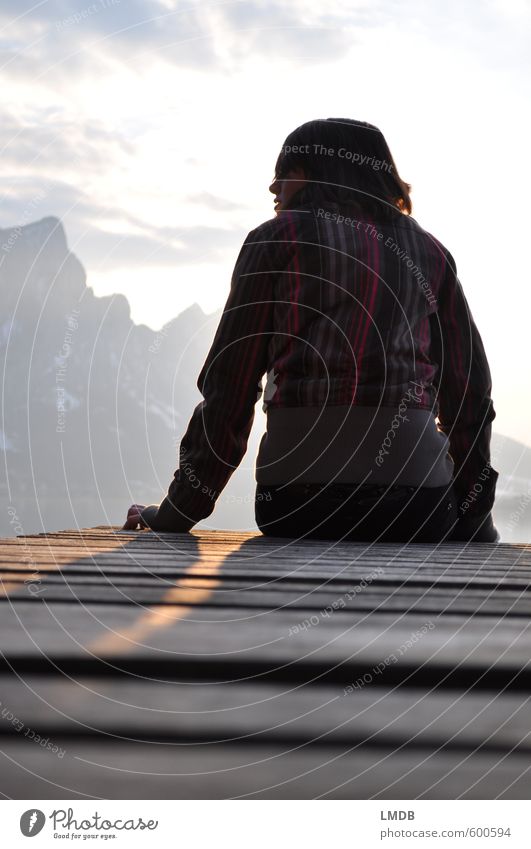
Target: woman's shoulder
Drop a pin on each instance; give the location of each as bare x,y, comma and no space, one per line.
411,224
284,218
285,226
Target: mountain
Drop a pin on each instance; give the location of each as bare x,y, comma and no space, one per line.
94,405
512,508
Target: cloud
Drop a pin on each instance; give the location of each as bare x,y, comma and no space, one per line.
58,199
294,32
166,247
46,40
46,139
63,34
213,202
131,241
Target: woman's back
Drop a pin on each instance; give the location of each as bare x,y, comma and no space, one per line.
353,300
349,354
357,317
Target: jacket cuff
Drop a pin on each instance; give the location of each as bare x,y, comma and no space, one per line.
148,514
163,517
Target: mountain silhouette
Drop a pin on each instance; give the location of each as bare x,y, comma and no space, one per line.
94,405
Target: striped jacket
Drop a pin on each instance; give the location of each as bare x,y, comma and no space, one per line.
337,309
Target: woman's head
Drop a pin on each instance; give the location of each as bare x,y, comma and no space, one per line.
340,160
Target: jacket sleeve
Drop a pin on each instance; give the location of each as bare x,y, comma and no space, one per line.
231,384
465,407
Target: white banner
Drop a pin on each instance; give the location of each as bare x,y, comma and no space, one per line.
267,824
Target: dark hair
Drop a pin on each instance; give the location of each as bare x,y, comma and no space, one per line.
347,162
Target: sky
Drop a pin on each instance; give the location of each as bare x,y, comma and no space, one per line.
151,128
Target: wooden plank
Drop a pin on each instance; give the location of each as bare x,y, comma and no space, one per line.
261,551
309,591
195,712
242,578
429,599
112,770
236,579
183,637
465,552
219,538
104,531
76,558
200,552
333,704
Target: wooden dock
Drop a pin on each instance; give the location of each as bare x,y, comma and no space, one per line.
228,665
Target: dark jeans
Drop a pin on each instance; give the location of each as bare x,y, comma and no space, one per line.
368,513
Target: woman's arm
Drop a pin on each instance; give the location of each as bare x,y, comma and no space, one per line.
230,382
465,407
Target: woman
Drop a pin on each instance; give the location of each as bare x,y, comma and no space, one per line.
357,317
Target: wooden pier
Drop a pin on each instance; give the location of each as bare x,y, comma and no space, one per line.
228,665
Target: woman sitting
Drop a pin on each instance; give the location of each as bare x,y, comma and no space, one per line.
378,393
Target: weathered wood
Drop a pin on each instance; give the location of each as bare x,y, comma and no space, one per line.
258,557
132,709
429,600
263,668
241,578
110,770
229,643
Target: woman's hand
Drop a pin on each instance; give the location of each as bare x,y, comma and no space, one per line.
133,518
